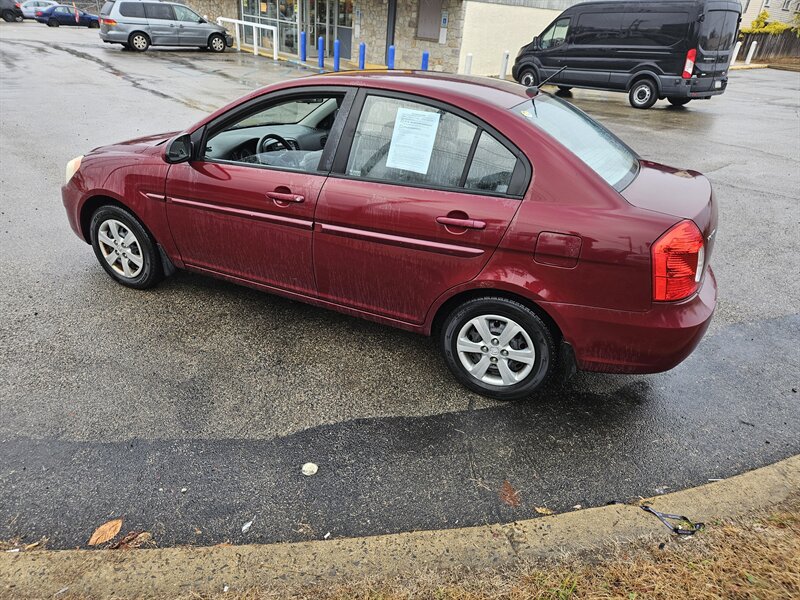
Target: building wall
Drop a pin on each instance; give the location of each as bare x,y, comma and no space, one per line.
490,29
214,8
775,10
369,26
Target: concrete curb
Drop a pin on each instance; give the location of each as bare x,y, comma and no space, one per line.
177,571
747,67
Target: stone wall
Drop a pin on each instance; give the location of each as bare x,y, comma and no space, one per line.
214,8
372,25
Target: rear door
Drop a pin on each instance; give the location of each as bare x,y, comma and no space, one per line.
594,35
715,46
162,25
417,201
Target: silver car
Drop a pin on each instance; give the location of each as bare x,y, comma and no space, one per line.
29,7
138,24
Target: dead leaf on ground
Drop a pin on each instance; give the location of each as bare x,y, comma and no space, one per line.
106,531
133,540
508,495
543,510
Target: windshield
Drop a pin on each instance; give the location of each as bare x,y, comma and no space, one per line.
595,145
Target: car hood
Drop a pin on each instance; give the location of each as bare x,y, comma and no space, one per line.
139,144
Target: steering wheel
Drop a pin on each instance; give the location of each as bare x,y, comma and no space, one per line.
262,143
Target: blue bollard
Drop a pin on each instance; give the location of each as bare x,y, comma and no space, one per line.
321,52
425,56
336,55
390,59
302,46
362,56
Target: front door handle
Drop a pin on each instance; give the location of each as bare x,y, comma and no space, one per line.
466,223
283,197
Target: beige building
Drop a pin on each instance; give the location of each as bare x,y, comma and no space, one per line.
779,10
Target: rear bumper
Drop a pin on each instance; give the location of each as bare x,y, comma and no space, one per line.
114,37
637,342
696,87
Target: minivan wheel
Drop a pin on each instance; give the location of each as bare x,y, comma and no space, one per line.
124,249
53,23
498,347
678,101
216,42
643,94
139,41
528,77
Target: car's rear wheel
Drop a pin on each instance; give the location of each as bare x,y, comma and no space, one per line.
216,43
94,24
124,249
498,347
643,94
9,16
528,76
678,101
139,41
53,23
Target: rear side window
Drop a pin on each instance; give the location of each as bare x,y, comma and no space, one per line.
158,11
106,10
492,166
601,29
132,9
654,29
718,31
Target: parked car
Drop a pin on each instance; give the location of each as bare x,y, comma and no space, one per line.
652,49
61,14
30,7
10,11
137,25
502,220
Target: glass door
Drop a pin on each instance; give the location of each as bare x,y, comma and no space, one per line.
330,19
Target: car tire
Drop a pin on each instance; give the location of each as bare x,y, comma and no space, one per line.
53,23
490,371
9,17
94,24
528,76
216,43
643,94
678,101
126,47
124,248
138,41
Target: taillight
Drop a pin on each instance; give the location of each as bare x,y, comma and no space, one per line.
109,22
688,66
39,13
678,258
17,4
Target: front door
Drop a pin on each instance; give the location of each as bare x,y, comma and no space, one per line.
551,49
245,207
416,204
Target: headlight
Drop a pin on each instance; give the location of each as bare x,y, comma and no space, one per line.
72,167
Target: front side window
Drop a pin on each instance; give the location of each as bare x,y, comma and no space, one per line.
406,142
184,14
595,145
555,36
159,11
289,134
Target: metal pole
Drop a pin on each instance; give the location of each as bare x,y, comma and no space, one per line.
302,46
750,53
425,57
735,54
362,56
238,39
504,64
321,52
336,55
327,21
468,63
297,8
390,58
255,40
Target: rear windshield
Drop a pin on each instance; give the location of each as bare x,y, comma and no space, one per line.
106,10
718,31
595,145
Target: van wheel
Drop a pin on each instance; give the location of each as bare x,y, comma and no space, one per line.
216,42
643,94
528,77
678,101
139,41
498,347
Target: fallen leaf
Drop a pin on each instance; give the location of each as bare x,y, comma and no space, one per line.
106,531
134,539
32,546
246,527
508,495
543,510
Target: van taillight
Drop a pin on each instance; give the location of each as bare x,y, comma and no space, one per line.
678,258
109,22
688,66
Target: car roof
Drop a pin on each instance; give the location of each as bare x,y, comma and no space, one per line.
503,94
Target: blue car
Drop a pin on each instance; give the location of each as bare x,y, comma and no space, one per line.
61,14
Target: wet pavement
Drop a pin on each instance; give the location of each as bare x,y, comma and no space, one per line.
112,401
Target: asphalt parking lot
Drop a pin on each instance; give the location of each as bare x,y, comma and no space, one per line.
189,410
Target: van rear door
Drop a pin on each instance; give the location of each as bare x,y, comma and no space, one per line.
717,36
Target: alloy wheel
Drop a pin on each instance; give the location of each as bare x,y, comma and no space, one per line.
120,248
217,44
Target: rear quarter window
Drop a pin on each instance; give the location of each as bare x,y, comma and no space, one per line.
132,9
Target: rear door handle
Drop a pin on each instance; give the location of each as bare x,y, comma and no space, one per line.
466,223
281,197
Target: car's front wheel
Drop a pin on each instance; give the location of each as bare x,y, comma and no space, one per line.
498,347
216,43
124,248
528,76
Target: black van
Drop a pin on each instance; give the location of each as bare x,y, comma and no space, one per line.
652,49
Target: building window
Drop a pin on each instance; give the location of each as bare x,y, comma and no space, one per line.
429,19
786,4
766,3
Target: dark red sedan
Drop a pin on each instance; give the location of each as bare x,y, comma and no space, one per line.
506,222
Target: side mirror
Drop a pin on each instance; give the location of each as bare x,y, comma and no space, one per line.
536,41
179,149
201,20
